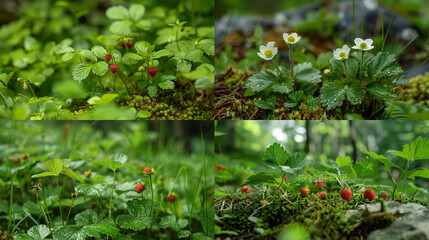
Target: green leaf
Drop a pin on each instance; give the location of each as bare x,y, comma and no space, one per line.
380,91
283,86
81,71
207,45
378,63
73,175
355,93
380,158
194,55
54,166
306,73
119,26
205,82
100,68
144,47
152,91
5,78
352,67
133,56
268,103
113,162
296,161
70,232
420,149
276,154
86,217
143,114
333,94
97,230
68,56
418,172
99,51
117,12
165,82
260,81
43,174
364,168
343,161
183,234
39,232
169,223
260,177
144,24
88,55
95,190
184,66
136,224
137,11
162,53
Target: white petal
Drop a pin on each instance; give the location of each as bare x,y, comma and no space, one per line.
269,58
261,55
285,36
275,51
295,35
337,52
297,39
369,48
369,42
356,47
338,58
262,48
358,41
270,45
345,48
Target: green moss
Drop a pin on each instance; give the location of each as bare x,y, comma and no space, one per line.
417,90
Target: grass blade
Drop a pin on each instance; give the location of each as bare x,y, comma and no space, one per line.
387,33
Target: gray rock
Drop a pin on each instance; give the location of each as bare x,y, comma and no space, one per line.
413,221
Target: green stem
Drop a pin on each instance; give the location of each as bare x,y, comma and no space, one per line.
277,66
283,178
193,18
291,59
345,71
151,206
99,79
68,215
177,36
7,90
361,66
11,201
399,179
44,214
59,201
111,195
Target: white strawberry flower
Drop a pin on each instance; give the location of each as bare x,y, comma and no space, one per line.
363,45
269,51
342,53
291,38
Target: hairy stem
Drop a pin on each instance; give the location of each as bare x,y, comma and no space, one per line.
193,18
291,59
59,201
68,215
111,195
361,67
345,71
43,212
151,206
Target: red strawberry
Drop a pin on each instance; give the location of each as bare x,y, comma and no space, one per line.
263,202
123,45
147,170
139,188
346,194
16,159
129,44
24,156
171,198
140,165
107,57
304,192
113,68
286,178
86,173
369,194
319,183
153,71
246,189
383,195
322,195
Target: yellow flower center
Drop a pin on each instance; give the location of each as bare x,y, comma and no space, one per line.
342,55
268,53
291,38
363,45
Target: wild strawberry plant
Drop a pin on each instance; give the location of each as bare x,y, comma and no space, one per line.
127,61
94,193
